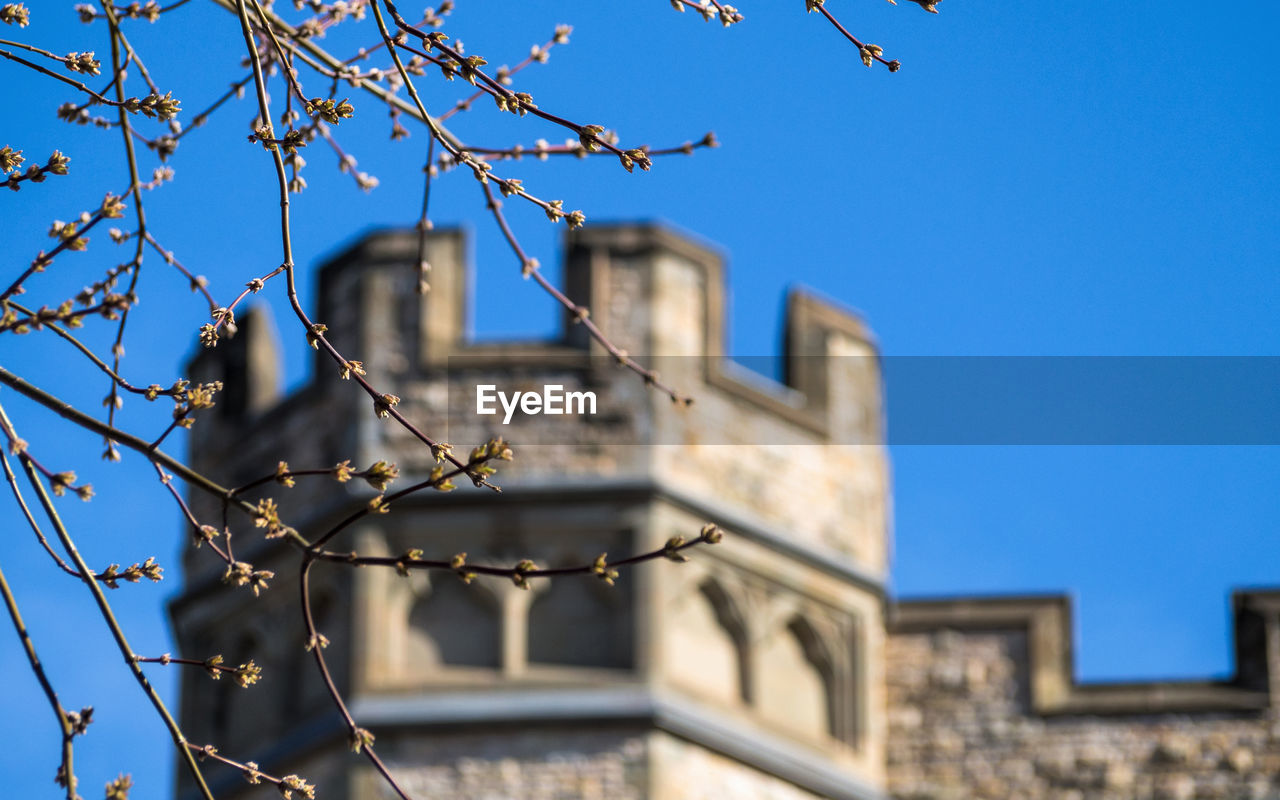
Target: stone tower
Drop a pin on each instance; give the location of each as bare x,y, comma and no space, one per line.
756,670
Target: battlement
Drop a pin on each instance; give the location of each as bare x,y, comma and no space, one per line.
768,665
1045,621
983,703
658,295
758,663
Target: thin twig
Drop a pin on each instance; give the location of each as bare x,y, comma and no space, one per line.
113,624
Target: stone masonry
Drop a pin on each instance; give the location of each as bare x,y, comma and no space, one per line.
754,671
769,667
982,705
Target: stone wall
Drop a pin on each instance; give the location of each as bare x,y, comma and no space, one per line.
687,771
756,668
973,714
603,764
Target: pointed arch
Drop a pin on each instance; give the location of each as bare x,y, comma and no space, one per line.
238,711
453,625
582,623
307,691
797,680
708,650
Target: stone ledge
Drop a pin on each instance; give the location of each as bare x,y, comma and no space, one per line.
1053,688
605,490
677,716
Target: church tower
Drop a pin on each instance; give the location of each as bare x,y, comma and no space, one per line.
754,671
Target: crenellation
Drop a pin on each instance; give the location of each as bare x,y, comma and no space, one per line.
766,668
832,359
655,292
773,640
970,697
369,300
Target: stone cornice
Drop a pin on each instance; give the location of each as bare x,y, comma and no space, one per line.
677,716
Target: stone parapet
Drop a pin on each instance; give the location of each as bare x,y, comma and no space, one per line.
983,704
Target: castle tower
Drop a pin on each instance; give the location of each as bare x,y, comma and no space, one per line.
753,671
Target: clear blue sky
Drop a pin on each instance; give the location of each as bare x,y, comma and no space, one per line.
1043,179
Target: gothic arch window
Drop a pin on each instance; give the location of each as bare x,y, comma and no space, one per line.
454,625
239,712
199,699
797,680
581,622
707,651
307,690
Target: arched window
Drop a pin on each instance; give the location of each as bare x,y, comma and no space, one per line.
307,691
707,649
796,680
579,621
453,625
243,712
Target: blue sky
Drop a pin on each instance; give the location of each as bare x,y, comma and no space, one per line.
1047,179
